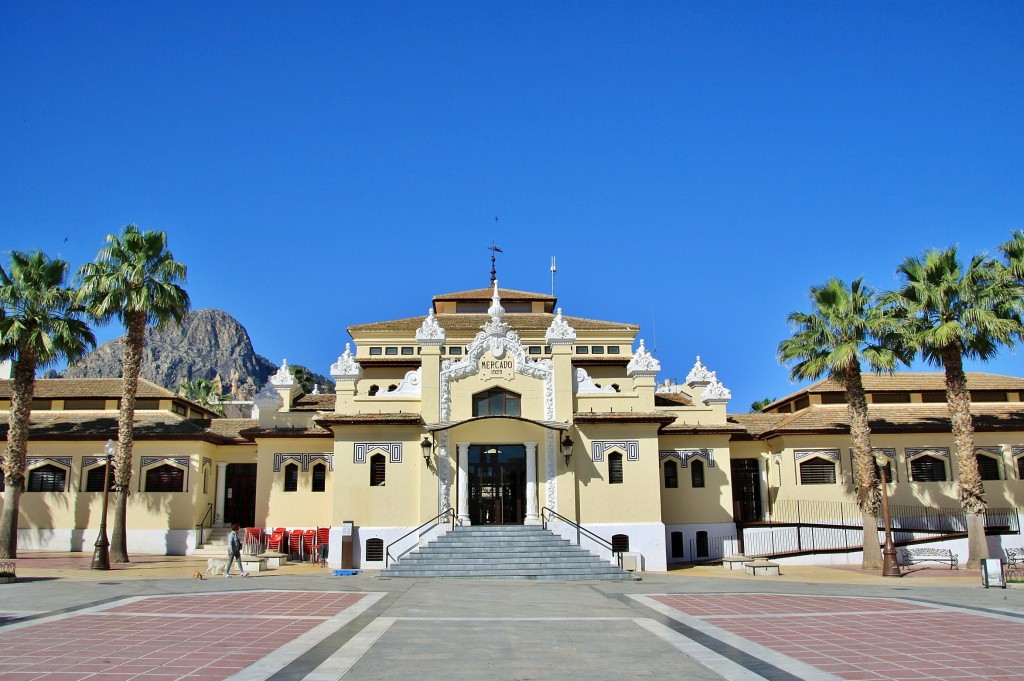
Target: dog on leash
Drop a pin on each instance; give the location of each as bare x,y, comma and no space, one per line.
197,575
216,567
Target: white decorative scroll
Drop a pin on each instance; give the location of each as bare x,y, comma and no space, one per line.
430,332
443,477
283,378
268,399
584,384
559,333
410,385
715,392
346,368
699,374
643,363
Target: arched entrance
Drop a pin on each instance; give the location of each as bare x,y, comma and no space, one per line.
497,484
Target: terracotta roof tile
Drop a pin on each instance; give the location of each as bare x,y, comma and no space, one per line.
394,419
486,293
704,428
106,388
324,402
623,417
884,418
102,425
533,321
312,431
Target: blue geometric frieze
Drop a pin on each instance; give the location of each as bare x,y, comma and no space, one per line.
630,447
393,449
684,455
304,460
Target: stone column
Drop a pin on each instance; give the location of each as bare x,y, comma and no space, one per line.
531,484
463,473
222,482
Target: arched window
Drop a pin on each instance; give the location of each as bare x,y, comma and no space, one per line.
928,469
165,478
48,478
988,467
620,543
817,471
696,473
319,478
94,478
702,544
671,474
496,402
291,478
677,544
378,470
615,468
374,550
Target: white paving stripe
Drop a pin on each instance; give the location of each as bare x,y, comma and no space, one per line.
720,665
339,664
286,654
783,662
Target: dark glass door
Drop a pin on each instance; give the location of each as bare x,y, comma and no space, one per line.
746,490
497,484
240,494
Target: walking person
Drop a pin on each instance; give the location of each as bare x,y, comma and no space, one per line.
234,551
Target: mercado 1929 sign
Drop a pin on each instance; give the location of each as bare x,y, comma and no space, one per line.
497,368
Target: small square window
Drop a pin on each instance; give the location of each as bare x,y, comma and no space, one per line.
613,349
390,350
534,349
547,349
454,351
407,351
375,350
597,349
582,350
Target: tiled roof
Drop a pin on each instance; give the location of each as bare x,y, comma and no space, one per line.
883,418
911,381
623,417
532,321
105,388
102,425
324,402
704,428
311,431
671,400
231,428
486,293
392,419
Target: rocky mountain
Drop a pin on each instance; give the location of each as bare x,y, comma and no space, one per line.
207,344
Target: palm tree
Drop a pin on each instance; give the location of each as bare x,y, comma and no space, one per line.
203,391
135,280
40,324
949,312
847,326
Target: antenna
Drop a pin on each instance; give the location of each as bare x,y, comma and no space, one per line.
654,332
553,270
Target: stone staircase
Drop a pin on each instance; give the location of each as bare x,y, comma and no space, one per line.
503,552
216,544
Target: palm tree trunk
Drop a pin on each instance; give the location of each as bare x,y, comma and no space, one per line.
868,496
22,390
136,327
972,491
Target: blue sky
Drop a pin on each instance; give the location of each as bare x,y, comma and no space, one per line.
695,167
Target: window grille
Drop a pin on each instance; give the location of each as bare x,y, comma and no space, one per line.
988,467
378,470
48,478
165,478
620,543
291,478
319,478
615,469
928,469
94,478
697,473
817,471
671,474
374,549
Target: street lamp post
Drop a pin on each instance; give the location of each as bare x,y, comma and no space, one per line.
101,556
890,566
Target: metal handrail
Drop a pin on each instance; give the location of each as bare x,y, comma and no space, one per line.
202,523
545,512
449,512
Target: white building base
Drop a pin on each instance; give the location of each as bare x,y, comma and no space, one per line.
647,540
147,542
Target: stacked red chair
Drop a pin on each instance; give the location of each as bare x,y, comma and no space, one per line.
295,544
254,539
278,540
308,540
323,536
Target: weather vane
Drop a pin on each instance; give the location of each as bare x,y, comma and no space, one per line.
493,248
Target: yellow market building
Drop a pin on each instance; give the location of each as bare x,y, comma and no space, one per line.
497,408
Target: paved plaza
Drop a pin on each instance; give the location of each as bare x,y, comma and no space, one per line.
151,620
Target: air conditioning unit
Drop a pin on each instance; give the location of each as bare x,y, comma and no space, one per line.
631,562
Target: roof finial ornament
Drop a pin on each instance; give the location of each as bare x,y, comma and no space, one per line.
493,248
496,310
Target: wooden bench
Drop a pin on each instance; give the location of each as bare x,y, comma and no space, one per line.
915,555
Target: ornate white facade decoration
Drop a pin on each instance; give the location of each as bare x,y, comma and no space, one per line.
410,385
669,387
499,340
699,374
560,333
283,378
346,368
430,332
715,392
583,383
551,470
643,363
268,399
